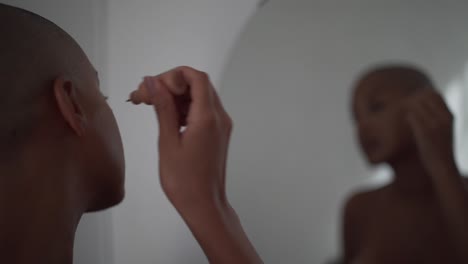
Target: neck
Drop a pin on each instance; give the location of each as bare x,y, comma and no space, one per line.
411,179
41,211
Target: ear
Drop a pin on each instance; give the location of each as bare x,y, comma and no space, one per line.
66,98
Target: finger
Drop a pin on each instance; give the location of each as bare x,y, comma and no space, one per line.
183,106
141,95
421,95
134,97
438,108
166,112
175,81
417,124
176,84
420,110
201,92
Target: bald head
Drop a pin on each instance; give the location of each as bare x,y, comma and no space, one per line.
59,140
33,52
389,84
406,78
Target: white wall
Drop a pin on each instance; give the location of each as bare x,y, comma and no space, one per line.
293,159
84,21
147,37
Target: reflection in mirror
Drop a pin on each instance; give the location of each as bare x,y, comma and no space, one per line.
299,88
401,120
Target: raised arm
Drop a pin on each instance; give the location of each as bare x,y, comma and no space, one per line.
192,161
431,122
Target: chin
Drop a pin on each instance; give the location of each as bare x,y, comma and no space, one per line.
116,198
107,200
376,159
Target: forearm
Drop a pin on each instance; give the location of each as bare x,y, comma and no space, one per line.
219,232
453,201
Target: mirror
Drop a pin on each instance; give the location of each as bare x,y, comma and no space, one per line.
294,158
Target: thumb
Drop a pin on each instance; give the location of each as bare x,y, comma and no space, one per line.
166,111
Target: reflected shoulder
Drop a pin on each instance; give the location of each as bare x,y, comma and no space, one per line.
364,196
361,202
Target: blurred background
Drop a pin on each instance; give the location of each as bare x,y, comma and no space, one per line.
284,69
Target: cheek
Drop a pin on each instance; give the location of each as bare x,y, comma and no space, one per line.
398,132
108,157
109,136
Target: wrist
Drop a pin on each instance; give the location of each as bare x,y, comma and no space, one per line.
203,207
218,230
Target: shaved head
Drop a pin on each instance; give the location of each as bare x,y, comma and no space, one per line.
33,51
61,150
399,76
390,80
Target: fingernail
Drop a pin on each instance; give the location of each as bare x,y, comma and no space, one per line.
150,86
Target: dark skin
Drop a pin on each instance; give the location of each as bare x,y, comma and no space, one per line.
61,154
70,159
422,215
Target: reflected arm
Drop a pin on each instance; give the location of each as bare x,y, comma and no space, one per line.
452,194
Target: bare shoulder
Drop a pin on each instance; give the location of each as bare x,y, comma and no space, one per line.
360,202
360,205
357,210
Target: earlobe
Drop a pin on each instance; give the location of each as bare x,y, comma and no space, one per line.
69,107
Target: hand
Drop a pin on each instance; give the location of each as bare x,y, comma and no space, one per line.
192,160
432,125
